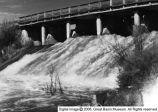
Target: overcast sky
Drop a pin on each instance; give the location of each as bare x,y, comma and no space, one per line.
10,9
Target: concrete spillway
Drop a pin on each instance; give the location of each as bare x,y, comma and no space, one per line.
83,65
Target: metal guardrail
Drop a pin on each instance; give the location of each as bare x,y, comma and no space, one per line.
79,9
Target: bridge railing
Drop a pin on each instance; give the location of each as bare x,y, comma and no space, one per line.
79,9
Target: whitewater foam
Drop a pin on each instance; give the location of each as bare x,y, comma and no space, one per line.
80,63
150,95
17,66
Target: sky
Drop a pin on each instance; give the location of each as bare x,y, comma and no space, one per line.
10,9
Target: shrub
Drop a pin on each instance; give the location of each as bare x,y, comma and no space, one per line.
138,66
9,34
55,84
9,40
138,62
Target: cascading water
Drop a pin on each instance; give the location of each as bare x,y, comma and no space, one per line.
150,95
83,64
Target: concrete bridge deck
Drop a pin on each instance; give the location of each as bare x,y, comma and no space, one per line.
119,16
102,6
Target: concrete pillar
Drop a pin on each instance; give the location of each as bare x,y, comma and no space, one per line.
136,19
43,35
99,26
68,29
137,25
94,100
110,2
24,33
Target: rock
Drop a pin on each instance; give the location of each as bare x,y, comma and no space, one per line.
37,43
50,40
74,34
144,28
105,31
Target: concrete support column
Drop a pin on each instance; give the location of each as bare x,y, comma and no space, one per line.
110,2
136,19
136,26
24,34
43,35
68,29
99,26
94,100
